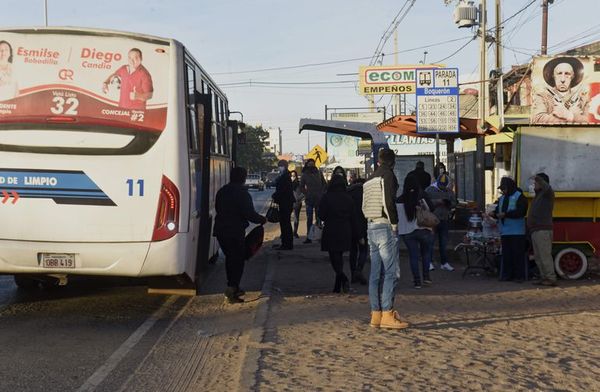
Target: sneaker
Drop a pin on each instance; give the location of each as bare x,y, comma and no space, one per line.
296,235
431,267
231,295
447,267
427,282
418,286
307,241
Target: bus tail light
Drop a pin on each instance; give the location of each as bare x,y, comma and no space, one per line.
167,214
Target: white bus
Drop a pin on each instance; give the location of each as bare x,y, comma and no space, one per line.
112,147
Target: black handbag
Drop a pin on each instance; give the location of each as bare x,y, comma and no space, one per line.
273,213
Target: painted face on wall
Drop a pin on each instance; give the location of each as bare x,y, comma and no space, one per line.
563,75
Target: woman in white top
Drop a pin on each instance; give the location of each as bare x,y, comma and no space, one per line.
418,240
8,83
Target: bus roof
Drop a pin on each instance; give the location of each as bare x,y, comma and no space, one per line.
89,31
109,33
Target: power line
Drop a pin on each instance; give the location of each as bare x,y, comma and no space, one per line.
388,32
251,82
335,61
513,15
456,51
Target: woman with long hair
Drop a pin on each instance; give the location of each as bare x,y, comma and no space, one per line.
8,84
418,240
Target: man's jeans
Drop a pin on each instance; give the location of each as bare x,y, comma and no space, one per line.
442,235
384,266
542,250
419,243
311,210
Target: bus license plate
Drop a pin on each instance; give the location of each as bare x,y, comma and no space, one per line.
58,260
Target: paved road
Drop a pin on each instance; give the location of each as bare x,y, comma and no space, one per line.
59,338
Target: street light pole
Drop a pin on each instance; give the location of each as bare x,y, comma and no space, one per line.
46,12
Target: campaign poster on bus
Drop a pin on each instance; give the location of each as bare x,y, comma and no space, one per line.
86,79
565,90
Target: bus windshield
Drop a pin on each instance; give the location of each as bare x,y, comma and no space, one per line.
84,80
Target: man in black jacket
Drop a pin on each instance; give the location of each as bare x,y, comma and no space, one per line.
234,209
284,196
423,177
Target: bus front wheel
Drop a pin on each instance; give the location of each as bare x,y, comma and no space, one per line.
570,263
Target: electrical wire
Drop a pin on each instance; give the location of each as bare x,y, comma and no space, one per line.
456,51
388,32
337,61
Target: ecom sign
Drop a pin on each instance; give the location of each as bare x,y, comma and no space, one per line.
400,79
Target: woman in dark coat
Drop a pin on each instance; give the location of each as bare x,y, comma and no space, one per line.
337,211
360,249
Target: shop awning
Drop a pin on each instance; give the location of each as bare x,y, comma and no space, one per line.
407,125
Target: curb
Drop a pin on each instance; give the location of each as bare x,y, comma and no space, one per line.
250,363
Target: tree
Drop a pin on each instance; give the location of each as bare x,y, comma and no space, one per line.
253,154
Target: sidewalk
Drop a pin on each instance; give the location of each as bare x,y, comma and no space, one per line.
467,334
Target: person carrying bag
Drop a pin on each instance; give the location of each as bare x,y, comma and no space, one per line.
272,214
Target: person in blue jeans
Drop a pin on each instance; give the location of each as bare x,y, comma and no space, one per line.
418,240
379,209
443,201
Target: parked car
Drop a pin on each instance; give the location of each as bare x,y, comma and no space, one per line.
253,181
271,178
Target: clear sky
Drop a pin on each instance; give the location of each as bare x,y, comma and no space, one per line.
229,36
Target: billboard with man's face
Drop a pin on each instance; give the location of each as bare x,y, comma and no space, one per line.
566,90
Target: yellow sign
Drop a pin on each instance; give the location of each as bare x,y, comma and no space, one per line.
318,154
390,79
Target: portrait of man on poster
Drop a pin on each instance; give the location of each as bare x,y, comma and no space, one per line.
565,98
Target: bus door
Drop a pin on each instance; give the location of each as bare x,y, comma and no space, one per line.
199,117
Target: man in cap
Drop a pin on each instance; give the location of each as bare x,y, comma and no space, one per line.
566,99
443,201
539,224
284,196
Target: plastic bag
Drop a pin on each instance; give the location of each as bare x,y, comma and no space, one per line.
315,233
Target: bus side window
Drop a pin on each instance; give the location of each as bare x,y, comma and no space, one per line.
214,146
192,115
223,121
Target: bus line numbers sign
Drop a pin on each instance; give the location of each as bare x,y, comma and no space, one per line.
437,100
135,187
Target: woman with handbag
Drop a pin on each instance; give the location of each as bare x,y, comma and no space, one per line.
337,211
415,226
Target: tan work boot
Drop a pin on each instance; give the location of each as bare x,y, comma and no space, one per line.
391,320
375,318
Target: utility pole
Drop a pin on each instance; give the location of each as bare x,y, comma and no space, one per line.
46,12
397,97
545,27
480,144
498,37
280,142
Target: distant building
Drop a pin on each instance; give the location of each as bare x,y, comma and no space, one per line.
274,141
